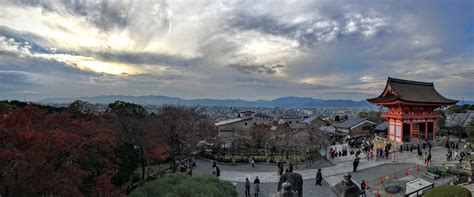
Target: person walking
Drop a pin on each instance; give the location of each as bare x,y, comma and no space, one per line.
247,187
319,177
362,188
257,190
461,156
355,164
428,159
280,169
291,167
256,183
252,160
218,171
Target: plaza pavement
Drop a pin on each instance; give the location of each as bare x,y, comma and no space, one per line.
332,173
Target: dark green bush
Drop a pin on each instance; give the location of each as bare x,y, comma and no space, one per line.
136,177
181,185
449,190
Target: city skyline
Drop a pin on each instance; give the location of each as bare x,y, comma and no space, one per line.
233,49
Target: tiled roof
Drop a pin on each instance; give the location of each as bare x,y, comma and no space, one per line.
235,120
411,91
349,123
382,126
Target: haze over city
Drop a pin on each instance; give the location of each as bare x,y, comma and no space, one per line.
233,49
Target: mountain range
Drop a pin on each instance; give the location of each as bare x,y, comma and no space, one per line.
290,101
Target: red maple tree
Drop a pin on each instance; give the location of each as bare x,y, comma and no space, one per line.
43,153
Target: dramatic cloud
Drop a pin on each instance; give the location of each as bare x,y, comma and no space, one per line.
233,49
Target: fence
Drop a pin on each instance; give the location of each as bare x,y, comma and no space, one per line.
152,177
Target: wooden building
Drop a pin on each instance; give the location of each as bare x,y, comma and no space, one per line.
411,105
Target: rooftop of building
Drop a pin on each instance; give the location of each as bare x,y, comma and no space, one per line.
350,123
235,120
411,91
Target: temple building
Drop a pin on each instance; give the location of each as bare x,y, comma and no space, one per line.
411,104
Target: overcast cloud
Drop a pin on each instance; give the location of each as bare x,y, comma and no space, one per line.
233,49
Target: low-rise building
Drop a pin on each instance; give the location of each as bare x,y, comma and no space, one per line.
228,129
354,127
293,121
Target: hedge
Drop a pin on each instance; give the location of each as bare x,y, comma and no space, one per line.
448,190
181,185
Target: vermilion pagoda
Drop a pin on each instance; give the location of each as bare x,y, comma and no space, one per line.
411,104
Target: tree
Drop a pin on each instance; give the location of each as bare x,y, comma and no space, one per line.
51,153
470,131
257,135
131,124
127,160
373,116
181,185
179,129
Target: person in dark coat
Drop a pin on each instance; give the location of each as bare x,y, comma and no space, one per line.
291,167
280,169
214,164
355,164
256,183
257,190
362,188
247,187
319,177
218,171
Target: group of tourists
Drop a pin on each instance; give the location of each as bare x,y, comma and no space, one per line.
333,152
256,183
456,155
281,166
184,166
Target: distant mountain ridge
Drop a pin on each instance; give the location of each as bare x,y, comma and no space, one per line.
290,101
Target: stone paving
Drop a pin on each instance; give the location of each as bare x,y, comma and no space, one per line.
332,174
309,189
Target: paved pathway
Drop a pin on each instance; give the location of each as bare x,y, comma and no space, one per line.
332,173
341,167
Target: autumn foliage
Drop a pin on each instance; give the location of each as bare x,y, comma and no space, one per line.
73,151
51,153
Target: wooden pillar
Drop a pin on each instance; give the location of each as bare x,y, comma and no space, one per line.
435,123
411,130
426,130
401,132
388,129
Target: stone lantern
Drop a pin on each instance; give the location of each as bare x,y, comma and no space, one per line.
347,188
286,191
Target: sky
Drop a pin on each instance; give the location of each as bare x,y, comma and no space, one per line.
242,49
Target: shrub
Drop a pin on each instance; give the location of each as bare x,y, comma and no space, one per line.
136,177
449,190
181,185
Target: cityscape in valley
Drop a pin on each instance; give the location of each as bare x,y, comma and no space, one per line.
237,98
